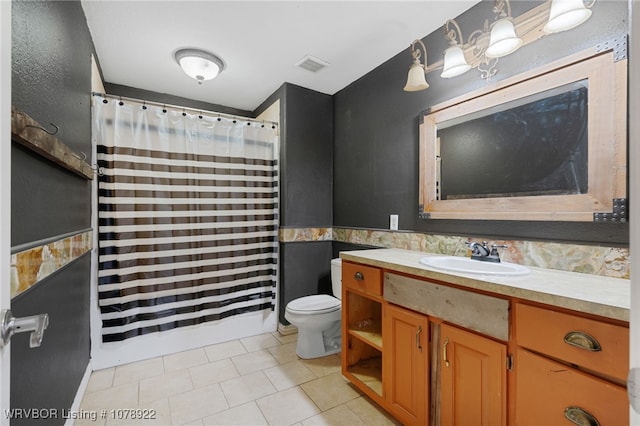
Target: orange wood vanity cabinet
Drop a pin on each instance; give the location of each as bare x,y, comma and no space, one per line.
453,356
569,367
385,347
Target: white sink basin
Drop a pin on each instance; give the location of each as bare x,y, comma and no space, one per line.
468,266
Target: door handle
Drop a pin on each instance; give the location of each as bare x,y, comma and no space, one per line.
445,358
11,325
418,338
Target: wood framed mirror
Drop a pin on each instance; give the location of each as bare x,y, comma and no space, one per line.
549,145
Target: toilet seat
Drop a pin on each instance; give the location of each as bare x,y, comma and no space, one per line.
314,305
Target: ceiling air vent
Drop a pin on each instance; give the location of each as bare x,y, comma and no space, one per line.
311,63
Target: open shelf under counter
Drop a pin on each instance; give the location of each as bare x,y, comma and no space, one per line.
369,372
370,333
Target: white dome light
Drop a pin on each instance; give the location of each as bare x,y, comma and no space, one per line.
199,64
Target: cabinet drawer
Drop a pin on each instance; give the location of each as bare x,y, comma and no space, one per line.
564,336
546,389
363,278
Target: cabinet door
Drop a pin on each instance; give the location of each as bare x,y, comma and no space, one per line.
474,379
406,364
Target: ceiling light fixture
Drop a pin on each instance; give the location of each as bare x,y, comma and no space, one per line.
199,64
505,36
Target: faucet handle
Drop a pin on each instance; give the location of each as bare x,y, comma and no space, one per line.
494,250
472,244
478,250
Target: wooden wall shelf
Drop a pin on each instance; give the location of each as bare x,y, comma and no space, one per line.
29,133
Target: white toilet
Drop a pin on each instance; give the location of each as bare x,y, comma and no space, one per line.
318,319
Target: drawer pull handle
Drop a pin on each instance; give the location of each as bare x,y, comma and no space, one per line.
444,352
582,340
358,276
580,417
418,338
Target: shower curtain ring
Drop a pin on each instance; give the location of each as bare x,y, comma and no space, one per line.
98,170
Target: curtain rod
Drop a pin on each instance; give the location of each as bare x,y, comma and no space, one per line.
183,108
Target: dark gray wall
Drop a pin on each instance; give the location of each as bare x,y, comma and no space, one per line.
48,376
306,169
46,200
376,133
307,158
51,81
304,270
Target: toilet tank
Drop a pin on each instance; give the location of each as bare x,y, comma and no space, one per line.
336,277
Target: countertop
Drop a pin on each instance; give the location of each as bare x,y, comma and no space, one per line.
593,294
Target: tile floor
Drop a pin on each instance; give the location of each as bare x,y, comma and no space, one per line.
253,381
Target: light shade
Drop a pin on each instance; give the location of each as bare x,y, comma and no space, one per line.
454,62
566,14
416,79
199,64
503,39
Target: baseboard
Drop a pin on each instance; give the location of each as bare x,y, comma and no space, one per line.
287,329
75,407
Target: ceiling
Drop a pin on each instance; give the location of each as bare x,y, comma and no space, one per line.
259,41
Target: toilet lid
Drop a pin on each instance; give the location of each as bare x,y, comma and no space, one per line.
316,304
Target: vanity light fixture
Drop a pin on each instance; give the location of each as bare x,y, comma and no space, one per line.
567,14
416,80
503,40
455,63
199,64
503,37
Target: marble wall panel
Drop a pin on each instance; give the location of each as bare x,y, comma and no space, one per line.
28,267
594,260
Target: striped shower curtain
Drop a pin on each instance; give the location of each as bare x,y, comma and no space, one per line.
187,217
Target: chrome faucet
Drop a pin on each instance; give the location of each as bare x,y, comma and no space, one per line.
480,251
